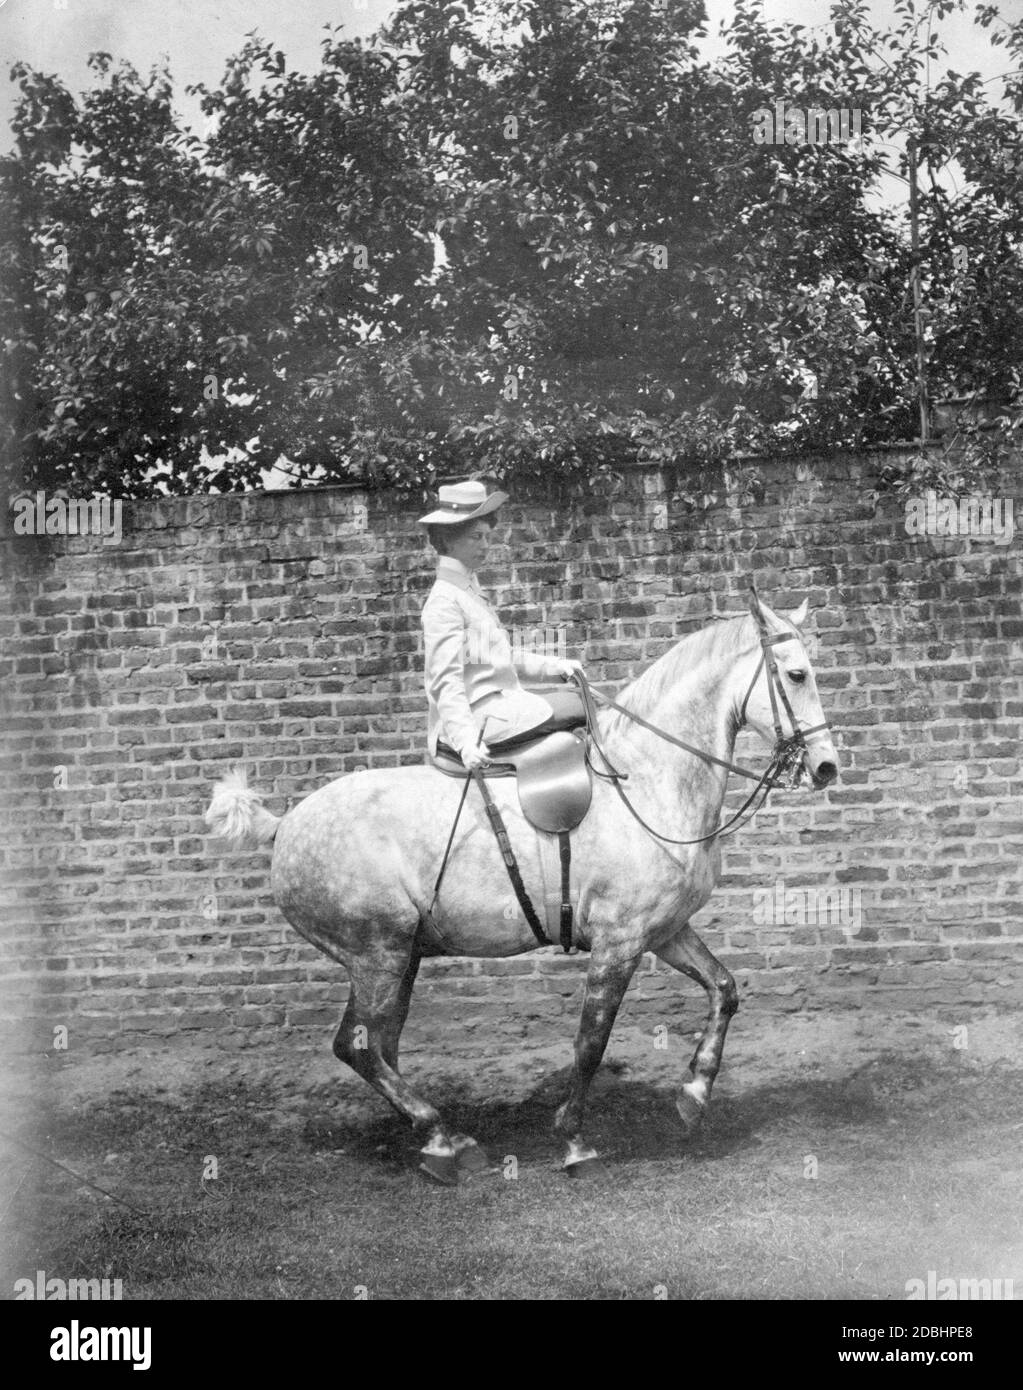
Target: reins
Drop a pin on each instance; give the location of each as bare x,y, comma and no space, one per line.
786,759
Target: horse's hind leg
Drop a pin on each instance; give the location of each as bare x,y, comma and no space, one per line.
687,953
367,1040
396,1020
470,1157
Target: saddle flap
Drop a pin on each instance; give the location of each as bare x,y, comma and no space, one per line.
554,782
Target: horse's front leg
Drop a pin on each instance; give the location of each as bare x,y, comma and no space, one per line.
686,952
607,980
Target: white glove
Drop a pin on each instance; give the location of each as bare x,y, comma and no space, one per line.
567,669
475,755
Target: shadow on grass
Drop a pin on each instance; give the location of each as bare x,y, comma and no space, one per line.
628,1115
633,1119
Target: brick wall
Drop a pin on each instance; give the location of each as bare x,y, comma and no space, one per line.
282,630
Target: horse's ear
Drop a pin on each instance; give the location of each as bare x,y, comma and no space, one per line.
754,602
798,615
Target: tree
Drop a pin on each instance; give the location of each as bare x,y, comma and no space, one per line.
536,236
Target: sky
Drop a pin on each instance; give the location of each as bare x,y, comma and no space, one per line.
198,36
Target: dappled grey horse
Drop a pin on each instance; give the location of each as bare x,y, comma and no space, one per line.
355,863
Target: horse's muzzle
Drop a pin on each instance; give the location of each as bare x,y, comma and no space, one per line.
823,775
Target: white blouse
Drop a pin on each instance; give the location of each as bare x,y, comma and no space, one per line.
471,667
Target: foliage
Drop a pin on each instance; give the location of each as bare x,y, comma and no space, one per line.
506,237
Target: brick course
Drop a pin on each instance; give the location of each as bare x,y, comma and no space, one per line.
282,630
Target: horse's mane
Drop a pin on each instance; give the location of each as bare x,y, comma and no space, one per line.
722,639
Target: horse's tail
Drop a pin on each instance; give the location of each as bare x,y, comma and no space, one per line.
237,814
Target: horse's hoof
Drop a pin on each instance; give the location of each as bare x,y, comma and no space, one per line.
690,1112
470,1158
594,1167
442,1168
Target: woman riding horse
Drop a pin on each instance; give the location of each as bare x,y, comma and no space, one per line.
355,863
471,667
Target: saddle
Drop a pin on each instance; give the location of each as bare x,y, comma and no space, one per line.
552,777
555,786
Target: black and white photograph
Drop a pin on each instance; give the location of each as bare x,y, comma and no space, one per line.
511,665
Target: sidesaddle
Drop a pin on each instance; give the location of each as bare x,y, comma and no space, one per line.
555,787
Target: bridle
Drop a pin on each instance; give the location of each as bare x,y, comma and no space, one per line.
776,689
786,758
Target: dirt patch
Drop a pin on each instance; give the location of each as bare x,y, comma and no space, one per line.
841,1158
759,1046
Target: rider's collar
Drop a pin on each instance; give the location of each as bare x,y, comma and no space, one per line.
452,571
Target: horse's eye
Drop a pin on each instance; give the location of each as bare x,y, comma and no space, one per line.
798,676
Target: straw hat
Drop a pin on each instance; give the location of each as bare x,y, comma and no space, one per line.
460,502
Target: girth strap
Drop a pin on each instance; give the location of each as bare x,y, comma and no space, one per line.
511,865
565,846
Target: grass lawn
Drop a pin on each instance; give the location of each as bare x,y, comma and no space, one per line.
317,1194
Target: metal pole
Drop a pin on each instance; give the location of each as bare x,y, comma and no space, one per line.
918,324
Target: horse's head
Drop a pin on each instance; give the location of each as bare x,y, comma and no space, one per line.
781,664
